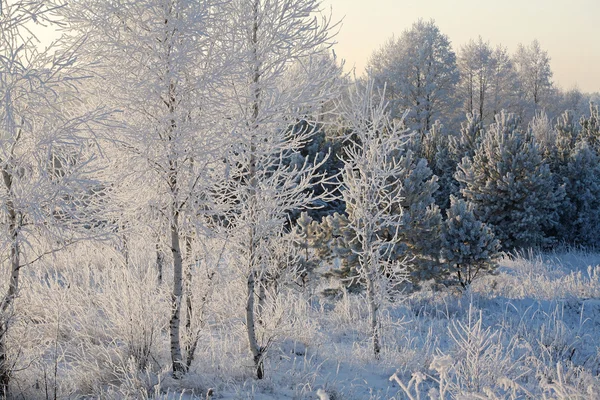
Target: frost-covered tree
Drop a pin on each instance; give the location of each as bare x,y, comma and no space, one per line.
468,140
418,234
468,245
435,147
477,65
504,83
510,186
421,218
574,164
535,78
158,62
488,80
262,188
580,215
49,188
419,71
373,198
590,128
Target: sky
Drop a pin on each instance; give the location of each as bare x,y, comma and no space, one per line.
568,29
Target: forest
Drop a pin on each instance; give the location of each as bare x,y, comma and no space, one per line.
199,201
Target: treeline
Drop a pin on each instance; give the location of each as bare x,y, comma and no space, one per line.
223,132
429,80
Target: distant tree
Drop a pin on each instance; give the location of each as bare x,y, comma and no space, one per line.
477,65
420,73
504,83
572,100
590,128
535,77
510,186
468,245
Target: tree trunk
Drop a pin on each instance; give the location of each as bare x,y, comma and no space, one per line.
14,224
179,367
191,333
373,308
13,287
187,284
160,261
257,351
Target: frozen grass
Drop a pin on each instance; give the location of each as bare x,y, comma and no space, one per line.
86,326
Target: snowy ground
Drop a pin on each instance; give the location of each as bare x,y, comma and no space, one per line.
530,331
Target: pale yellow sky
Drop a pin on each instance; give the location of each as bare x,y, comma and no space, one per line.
568,29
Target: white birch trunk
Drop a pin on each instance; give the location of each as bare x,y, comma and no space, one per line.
13,285
179,367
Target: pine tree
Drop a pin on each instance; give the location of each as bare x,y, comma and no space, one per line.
435,148
566,137
465,144
468,245
590,128
580,215
418,231
421,219
510,185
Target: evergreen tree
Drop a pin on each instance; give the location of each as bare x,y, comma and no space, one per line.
417,233
421,218
325,151
590,128
510,185
468,245
580,215
435,148
465,144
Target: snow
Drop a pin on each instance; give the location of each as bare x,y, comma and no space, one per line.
527,342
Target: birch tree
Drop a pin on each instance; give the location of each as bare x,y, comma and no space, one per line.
272,118
476,64
157,61
49,187
419,71
535,77
504,83
373,199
